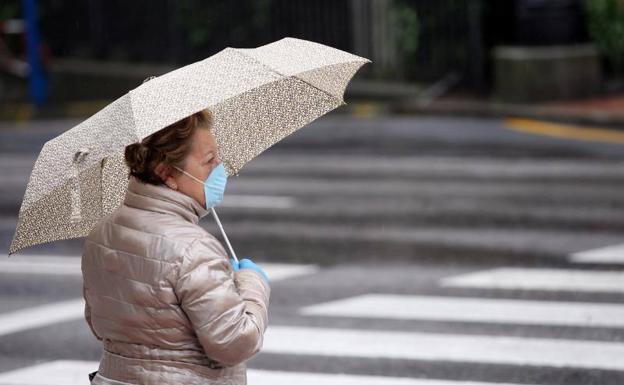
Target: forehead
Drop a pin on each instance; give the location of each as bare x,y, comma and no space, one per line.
203,142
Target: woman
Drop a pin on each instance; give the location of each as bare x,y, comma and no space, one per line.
160,292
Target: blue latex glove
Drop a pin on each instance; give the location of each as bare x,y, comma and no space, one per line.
246,263
234,264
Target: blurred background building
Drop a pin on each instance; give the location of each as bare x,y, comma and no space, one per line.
512,51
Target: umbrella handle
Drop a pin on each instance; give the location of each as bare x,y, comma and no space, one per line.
216,217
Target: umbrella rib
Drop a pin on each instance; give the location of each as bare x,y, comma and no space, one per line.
342,102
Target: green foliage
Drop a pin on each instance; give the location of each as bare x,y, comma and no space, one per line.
404,19
203,22
606,26
196,22
9,10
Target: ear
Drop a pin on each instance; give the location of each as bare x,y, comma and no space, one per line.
164,171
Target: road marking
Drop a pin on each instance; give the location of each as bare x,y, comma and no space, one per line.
606,255
365,110
74,372
269,377
444,347
281,271
66,372
41,264
20,320
565,130
388,306
71,310
60,265
258,201
540,279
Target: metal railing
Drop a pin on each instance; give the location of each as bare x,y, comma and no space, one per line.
176,32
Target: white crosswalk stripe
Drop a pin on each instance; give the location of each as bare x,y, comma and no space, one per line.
65,311
444,347
63,265
69,372
472,309
540,279
47,265
258,201
39,316
604,255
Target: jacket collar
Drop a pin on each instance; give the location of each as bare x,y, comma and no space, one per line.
161,198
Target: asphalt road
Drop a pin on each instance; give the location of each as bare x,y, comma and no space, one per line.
459,250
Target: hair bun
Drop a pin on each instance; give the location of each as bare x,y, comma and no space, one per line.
136,154
143,151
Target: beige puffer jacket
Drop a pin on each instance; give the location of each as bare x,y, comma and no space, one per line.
162,297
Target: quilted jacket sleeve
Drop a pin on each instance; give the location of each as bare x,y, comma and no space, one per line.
228,310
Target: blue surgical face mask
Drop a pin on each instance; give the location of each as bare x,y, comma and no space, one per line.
214,185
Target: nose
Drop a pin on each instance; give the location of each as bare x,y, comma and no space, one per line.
216,164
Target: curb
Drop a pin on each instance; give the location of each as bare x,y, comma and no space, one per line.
362,108
504,110
24,112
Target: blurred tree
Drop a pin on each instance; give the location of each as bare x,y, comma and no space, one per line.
444,41
404,17
9,9
12,43
606,26
207,25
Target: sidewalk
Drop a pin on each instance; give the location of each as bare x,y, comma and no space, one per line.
606,111
364,98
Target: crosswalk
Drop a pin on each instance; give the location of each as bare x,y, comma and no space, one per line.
482,327
512,306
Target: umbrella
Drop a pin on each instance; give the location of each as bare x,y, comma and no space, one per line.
257,96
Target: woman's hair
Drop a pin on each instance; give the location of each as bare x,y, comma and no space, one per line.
171,144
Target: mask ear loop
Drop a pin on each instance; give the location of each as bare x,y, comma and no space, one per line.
187,174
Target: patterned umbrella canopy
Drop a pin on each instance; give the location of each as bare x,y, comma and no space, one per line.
257,96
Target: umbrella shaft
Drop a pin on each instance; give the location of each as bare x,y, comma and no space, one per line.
216,217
